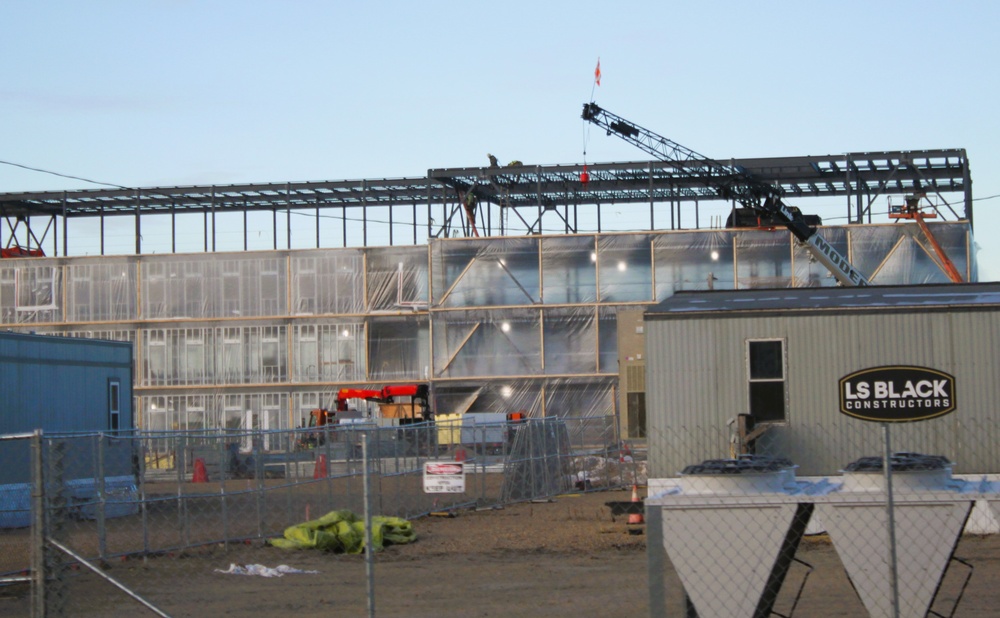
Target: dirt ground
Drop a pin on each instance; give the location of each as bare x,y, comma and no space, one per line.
567,557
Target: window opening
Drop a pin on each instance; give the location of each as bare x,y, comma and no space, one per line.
766,380
114,405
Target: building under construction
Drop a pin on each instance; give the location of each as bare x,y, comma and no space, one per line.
504,288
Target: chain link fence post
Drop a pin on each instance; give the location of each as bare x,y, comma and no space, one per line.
38,551
56,508
369,550
256,444
890,518
99,486
139,469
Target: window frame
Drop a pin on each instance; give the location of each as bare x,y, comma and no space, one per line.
751,381
114,405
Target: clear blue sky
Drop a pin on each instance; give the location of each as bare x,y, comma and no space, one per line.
183,92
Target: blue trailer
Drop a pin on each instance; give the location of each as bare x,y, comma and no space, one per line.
79,392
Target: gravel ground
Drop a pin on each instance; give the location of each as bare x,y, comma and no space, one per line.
567,557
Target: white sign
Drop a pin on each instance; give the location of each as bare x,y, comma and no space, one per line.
444,477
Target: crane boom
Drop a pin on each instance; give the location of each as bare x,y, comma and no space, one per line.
730,182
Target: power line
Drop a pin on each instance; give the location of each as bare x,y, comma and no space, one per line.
61,175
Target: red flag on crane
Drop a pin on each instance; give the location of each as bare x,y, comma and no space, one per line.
597,73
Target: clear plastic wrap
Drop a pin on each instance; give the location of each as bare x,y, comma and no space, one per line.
562,397
568,273
30,291
200,356
763,259
625,264
399,348
484,342
397,279
525,323
213,286
570,341
693,261
486,272
327,282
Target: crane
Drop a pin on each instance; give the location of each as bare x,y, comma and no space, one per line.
731,182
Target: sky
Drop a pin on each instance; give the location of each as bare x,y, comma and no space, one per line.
178,92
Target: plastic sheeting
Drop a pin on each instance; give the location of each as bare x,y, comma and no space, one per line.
213,286
30,291
568,274
327,282
524,342
397,279
624,268
256,340
763,260
399,348
488,343
264,571
343,531
465,273
237,411
693,261
486,272
558,397
328,351
220,355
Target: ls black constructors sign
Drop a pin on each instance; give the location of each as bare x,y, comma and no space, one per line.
897,394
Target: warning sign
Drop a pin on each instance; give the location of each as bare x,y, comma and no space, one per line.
444,477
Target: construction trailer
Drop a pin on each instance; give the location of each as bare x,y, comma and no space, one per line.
785,362
69,387
64,384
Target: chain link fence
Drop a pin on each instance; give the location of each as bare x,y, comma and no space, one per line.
742,530
16,513
118,509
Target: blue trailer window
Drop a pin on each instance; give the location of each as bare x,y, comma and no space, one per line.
114,405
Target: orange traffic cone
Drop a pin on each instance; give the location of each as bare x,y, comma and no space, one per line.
200,474
635,518
321,471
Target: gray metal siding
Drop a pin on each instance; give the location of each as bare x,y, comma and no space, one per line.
684,404
697,383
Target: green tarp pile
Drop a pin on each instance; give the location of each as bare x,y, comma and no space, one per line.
343,531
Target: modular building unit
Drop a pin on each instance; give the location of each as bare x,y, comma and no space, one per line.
61,385
784,359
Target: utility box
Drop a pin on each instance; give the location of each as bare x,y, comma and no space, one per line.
730,528
930,511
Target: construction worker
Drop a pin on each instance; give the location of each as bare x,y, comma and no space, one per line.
470,209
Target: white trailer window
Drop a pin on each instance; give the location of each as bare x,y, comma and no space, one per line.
766,380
